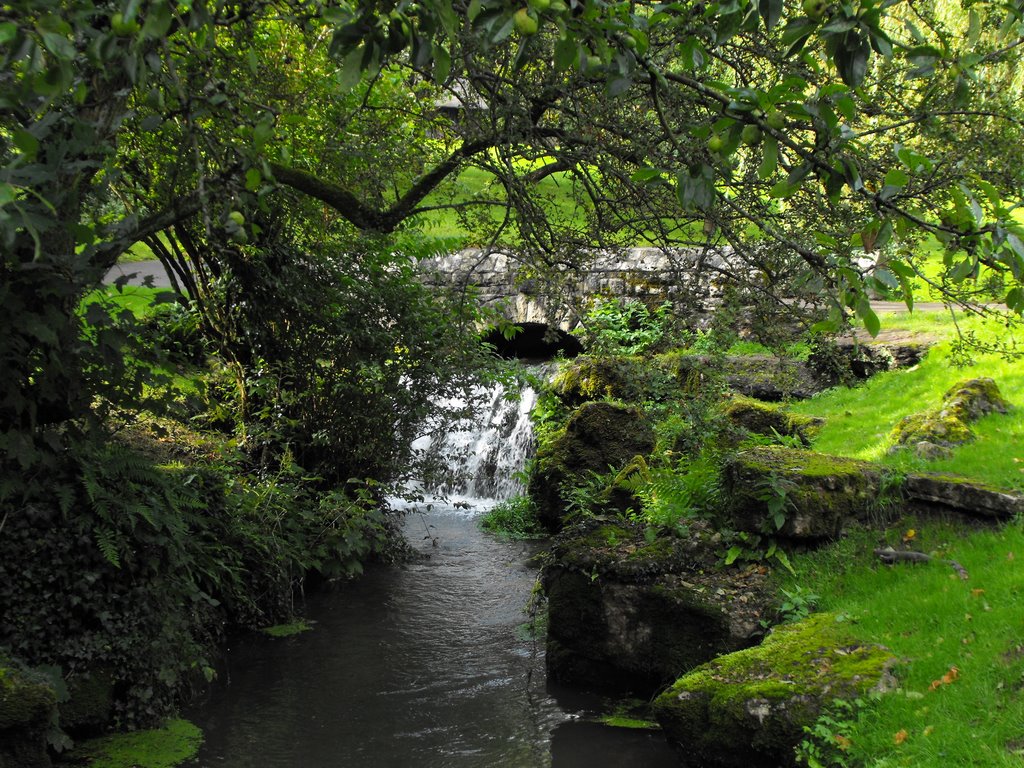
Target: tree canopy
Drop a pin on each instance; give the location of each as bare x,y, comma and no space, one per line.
827,144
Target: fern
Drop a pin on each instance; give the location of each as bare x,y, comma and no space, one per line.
107,541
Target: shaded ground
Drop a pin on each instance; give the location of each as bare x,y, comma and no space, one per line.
138,272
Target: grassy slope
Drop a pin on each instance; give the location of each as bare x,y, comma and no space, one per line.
859,420
931,619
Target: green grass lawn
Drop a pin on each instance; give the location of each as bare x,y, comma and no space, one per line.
960,642
960,645
137,299
858,420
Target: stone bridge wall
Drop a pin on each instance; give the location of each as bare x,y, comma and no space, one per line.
693,278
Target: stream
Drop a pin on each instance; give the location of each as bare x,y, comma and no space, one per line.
427,664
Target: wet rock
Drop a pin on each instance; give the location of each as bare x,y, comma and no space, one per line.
597,436
632,611
748,709
27,709
813,494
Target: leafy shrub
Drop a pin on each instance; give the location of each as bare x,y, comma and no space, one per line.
515,518
625,326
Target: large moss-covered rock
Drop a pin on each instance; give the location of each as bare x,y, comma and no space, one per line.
626,378
90,704
27,709
749,708
630,610
766,419
597,436
815,494
932,433
770,378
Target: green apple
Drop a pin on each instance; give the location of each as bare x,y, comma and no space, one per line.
775,119
815,9
715,143
525,22
123,28
751,135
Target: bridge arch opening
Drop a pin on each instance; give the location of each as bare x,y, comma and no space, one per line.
536,341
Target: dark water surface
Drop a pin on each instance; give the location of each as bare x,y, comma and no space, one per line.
423,665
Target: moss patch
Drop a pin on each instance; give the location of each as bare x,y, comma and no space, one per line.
176,742
765,418
750,707
948,425
25,699
620,377
621,721
287,630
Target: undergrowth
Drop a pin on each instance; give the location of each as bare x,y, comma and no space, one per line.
514,518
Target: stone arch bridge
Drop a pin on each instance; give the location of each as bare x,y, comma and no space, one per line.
693,279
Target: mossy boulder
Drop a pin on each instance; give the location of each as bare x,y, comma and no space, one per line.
769,378
815,494
932,433
28,705
620,377
631,610
761,418
598,436
749,708
973,398
90,704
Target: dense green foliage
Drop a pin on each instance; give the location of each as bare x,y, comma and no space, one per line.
515,518
137,569
275,155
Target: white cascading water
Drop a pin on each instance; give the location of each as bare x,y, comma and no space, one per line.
488,453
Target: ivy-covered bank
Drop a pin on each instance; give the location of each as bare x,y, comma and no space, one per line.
700,533
116,602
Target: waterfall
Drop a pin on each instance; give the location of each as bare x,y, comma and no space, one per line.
484,456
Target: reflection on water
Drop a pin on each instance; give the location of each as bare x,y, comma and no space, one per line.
423,665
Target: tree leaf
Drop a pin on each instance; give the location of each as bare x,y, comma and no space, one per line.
771,12
770,160
442,64
867,315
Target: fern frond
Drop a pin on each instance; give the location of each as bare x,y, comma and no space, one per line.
107,541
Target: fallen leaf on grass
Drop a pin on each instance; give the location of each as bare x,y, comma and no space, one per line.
946,679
